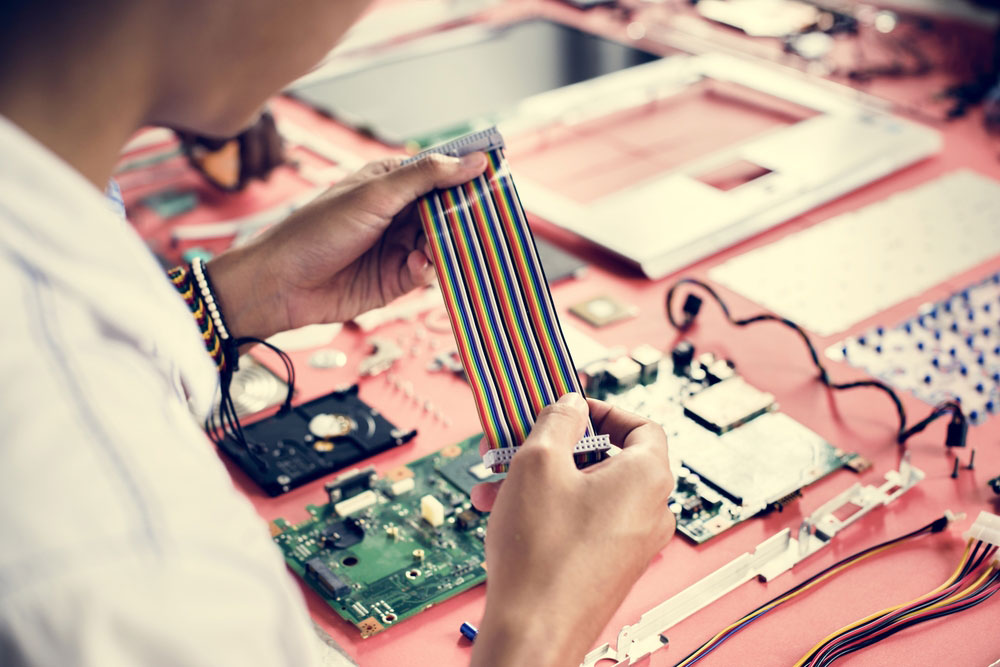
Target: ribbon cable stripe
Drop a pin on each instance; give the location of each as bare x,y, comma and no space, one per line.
456,301
530,272
502,270
498,300
486,313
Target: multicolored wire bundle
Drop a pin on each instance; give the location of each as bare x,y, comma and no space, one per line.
498,301
974,581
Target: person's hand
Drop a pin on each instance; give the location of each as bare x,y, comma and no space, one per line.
564,546
356,247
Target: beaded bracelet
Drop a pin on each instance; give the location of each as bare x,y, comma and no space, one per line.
196,290
223,421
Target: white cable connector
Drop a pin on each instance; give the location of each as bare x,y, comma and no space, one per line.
505,455
986,528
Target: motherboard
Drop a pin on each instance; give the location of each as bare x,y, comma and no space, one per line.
386,548
733,454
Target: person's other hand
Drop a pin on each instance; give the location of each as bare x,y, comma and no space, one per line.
564,546
356,247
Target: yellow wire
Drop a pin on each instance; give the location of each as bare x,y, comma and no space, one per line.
847,628
782,599
953,597
948,600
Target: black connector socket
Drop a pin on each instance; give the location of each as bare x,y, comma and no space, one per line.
958,429
692,306
940,524
995,485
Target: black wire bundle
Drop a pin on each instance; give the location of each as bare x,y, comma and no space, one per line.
956,430
227,423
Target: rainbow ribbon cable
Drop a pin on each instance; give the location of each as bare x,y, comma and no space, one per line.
498,300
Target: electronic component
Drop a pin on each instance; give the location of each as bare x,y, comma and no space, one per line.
467,519
284,452
330,582
733,455
648,358
432,510
949,348
593,376
350,484
466,470
401,487
858,463
726,405
716,370
621,374
480,472
600,311
343,534
681,357
355,504
469,631
762,462
986,528
384,563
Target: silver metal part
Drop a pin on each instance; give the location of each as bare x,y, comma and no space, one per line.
254,388
329,425
772,557
382,358
484,140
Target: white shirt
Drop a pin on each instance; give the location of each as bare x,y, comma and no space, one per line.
122,539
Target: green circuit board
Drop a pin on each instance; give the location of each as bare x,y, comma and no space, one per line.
372,555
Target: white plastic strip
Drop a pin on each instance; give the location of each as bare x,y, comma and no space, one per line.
772,557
